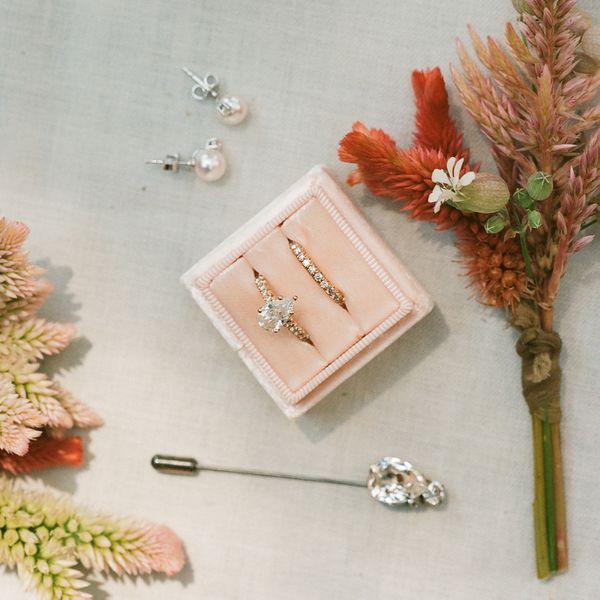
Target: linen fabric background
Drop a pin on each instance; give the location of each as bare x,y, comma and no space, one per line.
90,90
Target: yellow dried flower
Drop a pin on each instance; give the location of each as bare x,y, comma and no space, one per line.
45,556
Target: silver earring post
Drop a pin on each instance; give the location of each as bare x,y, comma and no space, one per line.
231,110
170,162
205,86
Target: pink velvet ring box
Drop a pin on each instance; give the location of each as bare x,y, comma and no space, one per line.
382,299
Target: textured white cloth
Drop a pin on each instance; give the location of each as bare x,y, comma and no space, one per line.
90,90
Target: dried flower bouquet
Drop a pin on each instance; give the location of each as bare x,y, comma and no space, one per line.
515,230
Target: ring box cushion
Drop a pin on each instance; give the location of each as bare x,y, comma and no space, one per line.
381,298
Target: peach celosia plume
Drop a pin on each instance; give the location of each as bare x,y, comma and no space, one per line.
30,402
531,96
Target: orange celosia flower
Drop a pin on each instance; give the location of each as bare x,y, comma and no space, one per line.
434,126
401,175
495,266
44,453
405,175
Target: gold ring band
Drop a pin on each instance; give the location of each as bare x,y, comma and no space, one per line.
334,293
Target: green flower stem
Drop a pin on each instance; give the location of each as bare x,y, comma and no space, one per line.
539,502
558,482
549,504
562,556
523,242
544,506
549,493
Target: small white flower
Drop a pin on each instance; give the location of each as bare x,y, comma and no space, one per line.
448,183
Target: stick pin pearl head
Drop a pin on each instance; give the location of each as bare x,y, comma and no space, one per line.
231,110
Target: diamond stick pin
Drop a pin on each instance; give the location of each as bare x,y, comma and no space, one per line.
391,481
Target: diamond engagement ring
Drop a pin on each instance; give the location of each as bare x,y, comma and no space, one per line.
334,293
277,312
393,481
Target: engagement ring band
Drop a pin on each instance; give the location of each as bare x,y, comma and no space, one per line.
334,293
277,312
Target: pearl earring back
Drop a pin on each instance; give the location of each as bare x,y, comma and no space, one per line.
209,163
231,110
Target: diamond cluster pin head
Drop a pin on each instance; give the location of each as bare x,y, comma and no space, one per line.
393,481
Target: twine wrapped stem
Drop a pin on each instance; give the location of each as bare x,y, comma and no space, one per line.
539,350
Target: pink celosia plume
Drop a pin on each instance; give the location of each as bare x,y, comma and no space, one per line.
30,402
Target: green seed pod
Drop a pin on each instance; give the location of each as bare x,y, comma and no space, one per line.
495,224
487,194
523,199
534,219
540,185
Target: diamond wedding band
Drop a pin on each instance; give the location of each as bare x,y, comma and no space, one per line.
277,312
334,293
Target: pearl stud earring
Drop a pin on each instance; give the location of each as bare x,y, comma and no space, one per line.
230,109
209,162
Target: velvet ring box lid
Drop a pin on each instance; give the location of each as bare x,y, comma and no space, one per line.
381,298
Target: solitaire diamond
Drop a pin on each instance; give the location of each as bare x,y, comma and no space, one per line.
275,313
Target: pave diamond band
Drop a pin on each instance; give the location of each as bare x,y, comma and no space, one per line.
334,293
277,312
